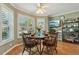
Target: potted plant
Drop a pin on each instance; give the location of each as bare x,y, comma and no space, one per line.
39,30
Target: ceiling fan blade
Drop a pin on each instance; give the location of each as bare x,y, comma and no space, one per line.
38,5
44,6
44,10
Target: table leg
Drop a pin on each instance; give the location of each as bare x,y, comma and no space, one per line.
40,47
40,50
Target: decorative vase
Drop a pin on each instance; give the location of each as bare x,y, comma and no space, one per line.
39,32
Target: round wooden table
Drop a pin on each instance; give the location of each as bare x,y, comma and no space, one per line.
40,38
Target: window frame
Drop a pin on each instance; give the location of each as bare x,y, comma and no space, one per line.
27,17
11,26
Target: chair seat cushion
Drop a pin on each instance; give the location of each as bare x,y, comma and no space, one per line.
48,43
31,44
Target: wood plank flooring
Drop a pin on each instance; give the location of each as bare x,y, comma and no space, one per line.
63,48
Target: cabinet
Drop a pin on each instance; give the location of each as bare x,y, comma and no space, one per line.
70,30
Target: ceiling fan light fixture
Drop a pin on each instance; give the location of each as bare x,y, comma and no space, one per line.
40,8
39,11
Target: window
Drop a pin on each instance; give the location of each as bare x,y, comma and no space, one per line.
6,24
25,23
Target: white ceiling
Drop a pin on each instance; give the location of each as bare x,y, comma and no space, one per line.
52,8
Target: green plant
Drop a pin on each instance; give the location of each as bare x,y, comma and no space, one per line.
38,28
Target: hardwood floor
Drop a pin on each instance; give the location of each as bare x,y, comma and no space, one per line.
63,48
15,50
68,48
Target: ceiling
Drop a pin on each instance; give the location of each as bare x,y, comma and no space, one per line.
52,9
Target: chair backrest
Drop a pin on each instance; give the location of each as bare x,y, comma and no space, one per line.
46,36
25,37
28,42
54,37
32,34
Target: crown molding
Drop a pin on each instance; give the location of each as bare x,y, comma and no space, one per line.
65,13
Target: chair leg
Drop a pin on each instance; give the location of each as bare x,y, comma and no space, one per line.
30,52
37,48
56,50
23,50
47,50
52,51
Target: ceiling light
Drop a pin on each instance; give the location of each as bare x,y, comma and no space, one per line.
40,8
39,11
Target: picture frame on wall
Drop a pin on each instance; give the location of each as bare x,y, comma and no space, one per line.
54,23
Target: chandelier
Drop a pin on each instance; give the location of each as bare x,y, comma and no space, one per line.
41,8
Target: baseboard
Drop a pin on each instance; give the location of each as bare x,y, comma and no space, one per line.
11,48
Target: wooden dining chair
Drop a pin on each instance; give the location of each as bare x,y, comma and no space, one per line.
51,42
54,38
28,43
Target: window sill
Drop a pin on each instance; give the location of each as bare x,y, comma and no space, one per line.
5,41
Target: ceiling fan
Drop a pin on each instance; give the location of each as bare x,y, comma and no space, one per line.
41,8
